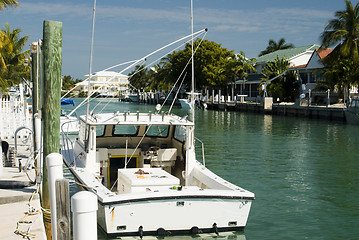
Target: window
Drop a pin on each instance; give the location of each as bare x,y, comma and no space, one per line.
100,130
180,133
125,130
157,131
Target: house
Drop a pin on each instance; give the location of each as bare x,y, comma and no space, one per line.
298,57
312,71
107,83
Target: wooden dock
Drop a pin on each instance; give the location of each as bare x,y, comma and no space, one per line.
21,216
335,112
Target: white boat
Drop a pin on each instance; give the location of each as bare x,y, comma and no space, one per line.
144,171
197,103
352,112
185,103
68,124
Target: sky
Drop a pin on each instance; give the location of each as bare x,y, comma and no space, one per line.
130,29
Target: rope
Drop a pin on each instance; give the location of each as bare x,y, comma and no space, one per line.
23,221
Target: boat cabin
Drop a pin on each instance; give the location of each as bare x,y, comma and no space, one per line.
121,142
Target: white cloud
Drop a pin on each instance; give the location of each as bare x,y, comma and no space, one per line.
260,20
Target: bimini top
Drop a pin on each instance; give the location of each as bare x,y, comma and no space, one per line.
137,118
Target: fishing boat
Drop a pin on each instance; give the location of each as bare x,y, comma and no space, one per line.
352,112
144,171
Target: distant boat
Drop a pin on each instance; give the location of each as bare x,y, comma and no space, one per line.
67,101
186,102
352,112
68,124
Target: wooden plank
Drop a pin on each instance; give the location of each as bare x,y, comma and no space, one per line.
63,209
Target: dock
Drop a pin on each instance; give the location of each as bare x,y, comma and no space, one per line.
21,216
334,112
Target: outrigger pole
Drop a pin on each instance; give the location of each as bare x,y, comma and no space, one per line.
137,61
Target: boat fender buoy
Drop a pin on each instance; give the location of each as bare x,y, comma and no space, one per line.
161,232
194,230
215,228
140,231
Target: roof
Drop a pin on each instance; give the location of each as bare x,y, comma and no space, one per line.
107,74
286,53
299,66
317,58
324,52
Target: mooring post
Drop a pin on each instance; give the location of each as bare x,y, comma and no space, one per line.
36,100
52,63
63,209
84,215
54,169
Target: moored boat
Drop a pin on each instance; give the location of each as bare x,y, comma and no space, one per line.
144,171
352,111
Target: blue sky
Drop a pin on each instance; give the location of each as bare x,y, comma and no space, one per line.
129,29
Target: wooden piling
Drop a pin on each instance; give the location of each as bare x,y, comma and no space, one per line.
63,209
36,89
52,64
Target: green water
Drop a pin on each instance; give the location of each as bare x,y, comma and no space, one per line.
304,172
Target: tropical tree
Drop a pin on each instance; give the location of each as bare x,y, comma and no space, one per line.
138,77
210,61
274,46
285,87
12,58
239,66
8,3
343,33
341,75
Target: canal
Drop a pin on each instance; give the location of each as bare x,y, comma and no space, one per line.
304,172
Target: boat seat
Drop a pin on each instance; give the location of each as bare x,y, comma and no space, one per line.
165,157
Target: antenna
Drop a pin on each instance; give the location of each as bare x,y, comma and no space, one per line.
90,63
192,92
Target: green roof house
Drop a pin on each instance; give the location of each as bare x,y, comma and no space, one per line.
298,57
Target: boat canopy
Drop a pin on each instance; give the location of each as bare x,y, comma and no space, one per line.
67,101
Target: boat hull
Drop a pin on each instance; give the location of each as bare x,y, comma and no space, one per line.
352,117
185,104
172,216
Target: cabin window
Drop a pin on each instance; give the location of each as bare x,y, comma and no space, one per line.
180,133
100,130
125,130
157,131
82,133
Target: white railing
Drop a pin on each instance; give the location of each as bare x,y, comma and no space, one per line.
14,113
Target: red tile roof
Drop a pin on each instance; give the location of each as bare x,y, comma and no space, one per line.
323,52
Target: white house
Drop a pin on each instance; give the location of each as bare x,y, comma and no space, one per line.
107,83
298,57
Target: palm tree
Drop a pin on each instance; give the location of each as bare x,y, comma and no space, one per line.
8,3
284,87
343,31
274,46
12,58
